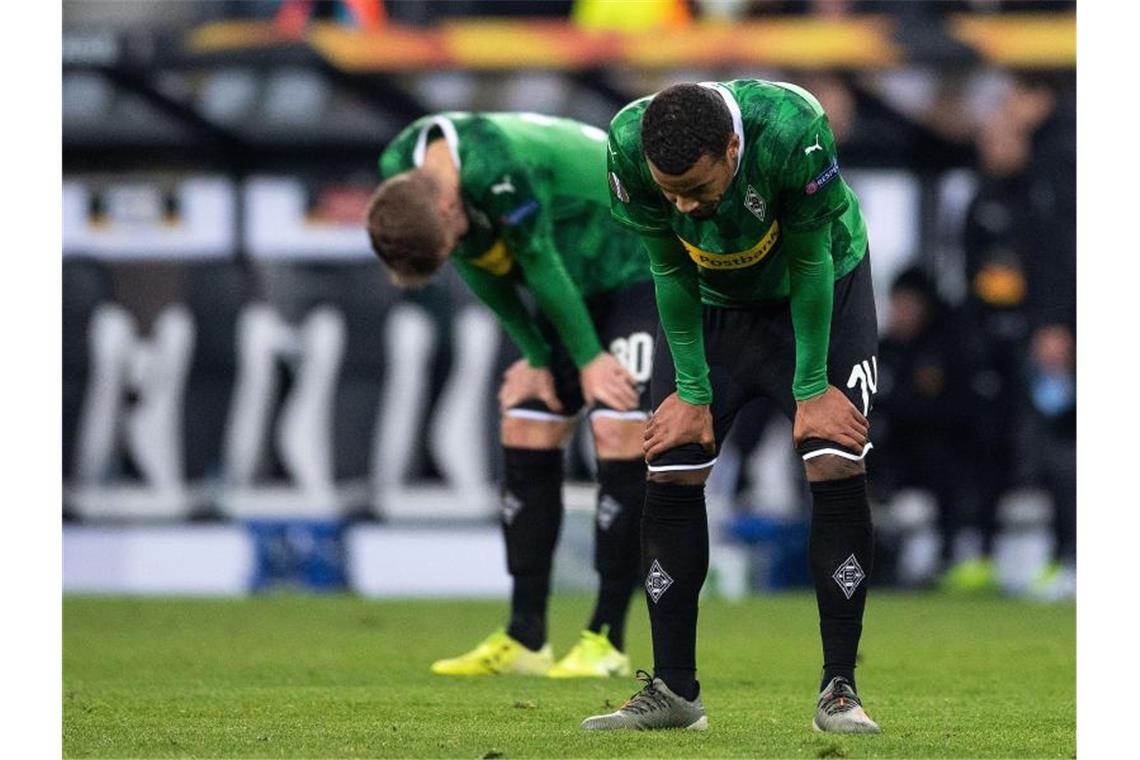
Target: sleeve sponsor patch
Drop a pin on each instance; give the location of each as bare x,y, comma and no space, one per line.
511,218
828,174
618,188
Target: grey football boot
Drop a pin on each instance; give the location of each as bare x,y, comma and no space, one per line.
840,711
654,707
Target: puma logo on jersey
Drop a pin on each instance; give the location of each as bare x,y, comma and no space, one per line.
503,187
811,148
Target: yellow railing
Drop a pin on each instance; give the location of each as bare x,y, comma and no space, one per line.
864,42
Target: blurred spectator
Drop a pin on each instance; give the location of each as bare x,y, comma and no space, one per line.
1051,433
920,420
1001,234
838,101
1020,265
1044,106
1047,108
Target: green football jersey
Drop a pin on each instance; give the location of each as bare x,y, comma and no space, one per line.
786,185
535,194
787,177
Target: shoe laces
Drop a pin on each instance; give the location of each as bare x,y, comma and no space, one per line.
650,698
840,697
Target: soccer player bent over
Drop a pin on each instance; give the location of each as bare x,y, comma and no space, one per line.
759,254
520,201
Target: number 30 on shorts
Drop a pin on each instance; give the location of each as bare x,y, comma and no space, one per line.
635,354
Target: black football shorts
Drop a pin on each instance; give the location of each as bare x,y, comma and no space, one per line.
626,322
752,352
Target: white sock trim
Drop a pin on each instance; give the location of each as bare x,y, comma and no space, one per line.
535,414
839,453
614,414
676,467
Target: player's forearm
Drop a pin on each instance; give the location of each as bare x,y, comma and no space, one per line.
562,303
679,307
811,274
503,299
526,336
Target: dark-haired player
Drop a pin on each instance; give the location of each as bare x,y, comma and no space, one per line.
759,254
518,202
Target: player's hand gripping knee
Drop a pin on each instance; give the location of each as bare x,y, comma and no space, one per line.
833,417
522,382
605,380
678,422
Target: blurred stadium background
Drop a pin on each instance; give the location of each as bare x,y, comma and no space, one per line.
249,406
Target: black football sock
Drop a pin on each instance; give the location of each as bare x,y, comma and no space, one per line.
840,552
617,543
674,561
531,518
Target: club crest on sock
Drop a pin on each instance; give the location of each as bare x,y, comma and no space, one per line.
511,506
608,510
849,575
657,582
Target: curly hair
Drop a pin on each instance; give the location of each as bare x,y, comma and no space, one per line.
682,123
404,227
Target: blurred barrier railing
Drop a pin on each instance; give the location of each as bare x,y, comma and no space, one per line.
863,42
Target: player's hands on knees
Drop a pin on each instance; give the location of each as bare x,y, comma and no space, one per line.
833,417
522,382
604,379
678,422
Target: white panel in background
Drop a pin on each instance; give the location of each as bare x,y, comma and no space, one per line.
386,561
457,432
137,223
956,191
184,559
891,205
134,403
278,226
302,431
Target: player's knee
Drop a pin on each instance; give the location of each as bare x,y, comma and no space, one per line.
681,477
525,433
832,467
617,439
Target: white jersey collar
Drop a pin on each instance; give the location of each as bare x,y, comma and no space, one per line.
737,120
449,134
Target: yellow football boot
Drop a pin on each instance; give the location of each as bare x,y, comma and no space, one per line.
971,576
592,657
497,654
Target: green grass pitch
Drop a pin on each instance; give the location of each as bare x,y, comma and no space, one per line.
297,676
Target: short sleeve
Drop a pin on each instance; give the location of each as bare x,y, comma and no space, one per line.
812,192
